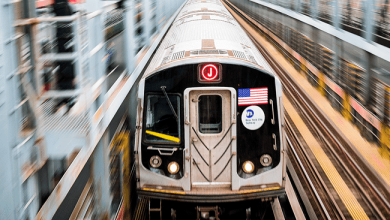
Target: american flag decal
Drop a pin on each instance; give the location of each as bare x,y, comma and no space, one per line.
253,96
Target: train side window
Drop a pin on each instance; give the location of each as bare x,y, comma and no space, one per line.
210,114
161,124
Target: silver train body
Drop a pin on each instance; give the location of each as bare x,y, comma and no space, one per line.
210,114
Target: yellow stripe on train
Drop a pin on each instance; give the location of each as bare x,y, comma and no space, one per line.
164,191
163,136
259,190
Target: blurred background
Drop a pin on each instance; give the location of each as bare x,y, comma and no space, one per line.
66,70
68,67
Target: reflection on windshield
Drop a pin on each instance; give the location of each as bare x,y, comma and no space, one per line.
161,124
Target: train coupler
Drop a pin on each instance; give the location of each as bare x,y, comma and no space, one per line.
207,213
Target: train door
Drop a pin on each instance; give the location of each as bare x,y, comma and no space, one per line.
211,130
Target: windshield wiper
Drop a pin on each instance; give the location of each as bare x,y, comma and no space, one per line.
169,103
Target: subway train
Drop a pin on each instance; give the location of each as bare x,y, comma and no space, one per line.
209,139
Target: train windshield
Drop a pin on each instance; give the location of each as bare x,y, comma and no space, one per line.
163,119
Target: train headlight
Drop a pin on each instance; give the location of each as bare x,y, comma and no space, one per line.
173,167
248,167
155,161
266,160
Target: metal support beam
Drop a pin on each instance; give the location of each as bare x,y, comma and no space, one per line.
314,8
18,195
101,177
297,4
369,65
306,202
129,44
147,21
292,198
339,51
277,209
369,19
159,15
80,74
336,14
97,68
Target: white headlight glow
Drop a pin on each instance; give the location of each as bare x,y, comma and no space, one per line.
248,167
173,167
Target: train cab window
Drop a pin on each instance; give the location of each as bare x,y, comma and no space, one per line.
161,123
210,114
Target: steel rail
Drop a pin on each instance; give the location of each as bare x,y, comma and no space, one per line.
294,202
308,179
303,159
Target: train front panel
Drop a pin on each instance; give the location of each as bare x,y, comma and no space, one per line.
210,128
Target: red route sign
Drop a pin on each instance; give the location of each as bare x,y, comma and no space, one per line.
210,72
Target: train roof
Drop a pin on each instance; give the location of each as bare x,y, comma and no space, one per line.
205,31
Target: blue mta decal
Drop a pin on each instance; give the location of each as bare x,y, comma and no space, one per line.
249,113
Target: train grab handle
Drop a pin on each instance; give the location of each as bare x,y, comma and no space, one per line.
273,114
161,150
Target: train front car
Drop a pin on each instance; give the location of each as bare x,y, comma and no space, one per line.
209,117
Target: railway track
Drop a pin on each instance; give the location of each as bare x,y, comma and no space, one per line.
372,194
314,186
